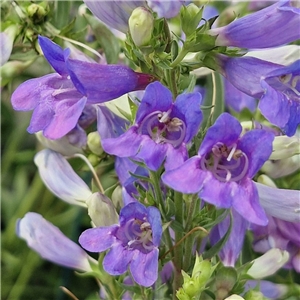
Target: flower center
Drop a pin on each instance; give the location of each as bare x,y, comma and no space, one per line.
290,82
225,163
163,129
139,234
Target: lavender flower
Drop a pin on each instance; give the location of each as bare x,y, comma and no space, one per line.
221,172
162,129
280,103
51,244
232,248
134,243
270,27
277,86
60,178
58,100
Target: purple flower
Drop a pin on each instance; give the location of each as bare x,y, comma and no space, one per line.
279,234
236,99
272,26
134,243
280,103
162,129
232,248
51,244
277,86
58,99
221,172
116,13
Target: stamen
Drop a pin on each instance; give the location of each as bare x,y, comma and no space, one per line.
60,91
231,152
243,173
156,113
295,81
285,78
165,116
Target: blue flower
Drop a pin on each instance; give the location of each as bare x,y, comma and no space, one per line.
221,172
133,242
272,26
280,103
58,99
278,87
162,129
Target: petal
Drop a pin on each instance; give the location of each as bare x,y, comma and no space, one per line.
47,240
156,98
54,54
67,114
98,239
60,178
109,125
154,218
102,83
144,267
30,93
175,157
166,9
187,108
125,145
280,203
151,153
232,248
188,178
132,210
257,145
246,203
226,129
116,261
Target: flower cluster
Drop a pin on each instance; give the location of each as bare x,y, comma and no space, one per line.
172,116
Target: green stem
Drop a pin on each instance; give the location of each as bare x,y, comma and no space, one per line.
179,58
188,249
178,251
155,178
172,83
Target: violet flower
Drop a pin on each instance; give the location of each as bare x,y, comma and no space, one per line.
116,14
51,244
280,103
162,129
278,87
232,248
272,26
58,99
133,242
221,172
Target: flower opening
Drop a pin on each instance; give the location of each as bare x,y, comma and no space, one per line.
163,129
225,163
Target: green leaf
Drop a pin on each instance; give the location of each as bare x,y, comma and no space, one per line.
220,244
106,39
68,28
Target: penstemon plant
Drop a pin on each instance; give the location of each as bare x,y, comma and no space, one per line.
170,131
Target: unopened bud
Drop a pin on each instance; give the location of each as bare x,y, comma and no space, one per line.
141,24
190,18
285,147
266,180
234,297
101,210
268,263
36,13
254,295
94,143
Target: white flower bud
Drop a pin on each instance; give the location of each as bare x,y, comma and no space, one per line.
269,263
141,25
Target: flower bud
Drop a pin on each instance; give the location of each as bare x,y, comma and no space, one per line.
266,180
36,13
234,297
94,143
254,295
101,210
7,39
285,147
268,264
141,24
190,18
